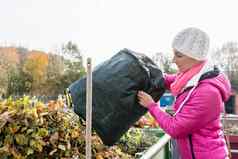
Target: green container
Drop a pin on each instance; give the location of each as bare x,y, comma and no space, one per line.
152,135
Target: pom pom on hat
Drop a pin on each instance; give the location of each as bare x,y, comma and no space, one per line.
192,42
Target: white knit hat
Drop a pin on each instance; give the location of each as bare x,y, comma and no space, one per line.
192,42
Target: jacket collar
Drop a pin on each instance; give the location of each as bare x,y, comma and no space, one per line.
195,79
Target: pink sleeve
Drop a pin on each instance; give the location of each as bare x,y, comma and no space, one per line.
202,107
169,78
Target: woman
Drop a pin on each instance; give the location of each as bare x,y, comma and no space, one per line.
200,93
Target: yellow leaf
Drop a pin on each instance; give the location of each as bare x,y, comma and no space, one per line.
52,152
98,156
62,147
29,151
21,139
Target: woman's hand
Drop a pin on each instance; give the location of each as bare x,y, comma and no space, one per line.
144,99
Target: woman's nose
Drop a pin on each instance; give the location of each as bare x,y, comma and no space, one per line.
174,60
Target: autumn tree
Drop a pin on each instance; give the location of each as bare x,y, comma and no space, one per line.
3,81
72,51
37,73
35,67
226,58
8,65
73,64
164,61
55,71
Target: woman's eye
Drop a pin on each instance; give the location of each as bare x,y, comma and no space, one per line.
178,54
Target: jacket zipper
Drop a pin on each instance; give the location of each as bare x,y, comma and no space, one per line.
191,145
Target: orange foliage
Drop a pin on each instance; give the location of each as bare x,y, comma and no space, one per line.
55,105
36,63
9,56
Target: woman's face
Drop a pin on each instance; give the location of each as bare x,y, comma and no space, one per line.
183,62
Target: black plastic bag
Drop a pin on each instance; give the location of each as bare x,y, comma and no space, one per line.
115,86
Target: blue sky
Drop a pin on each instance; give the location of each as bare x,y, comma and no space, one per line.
102,27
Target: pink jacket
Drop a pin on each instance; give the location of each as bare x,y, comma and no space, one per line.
197,127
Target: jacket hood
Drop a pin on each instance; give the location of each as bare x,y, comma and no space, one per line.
221,82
